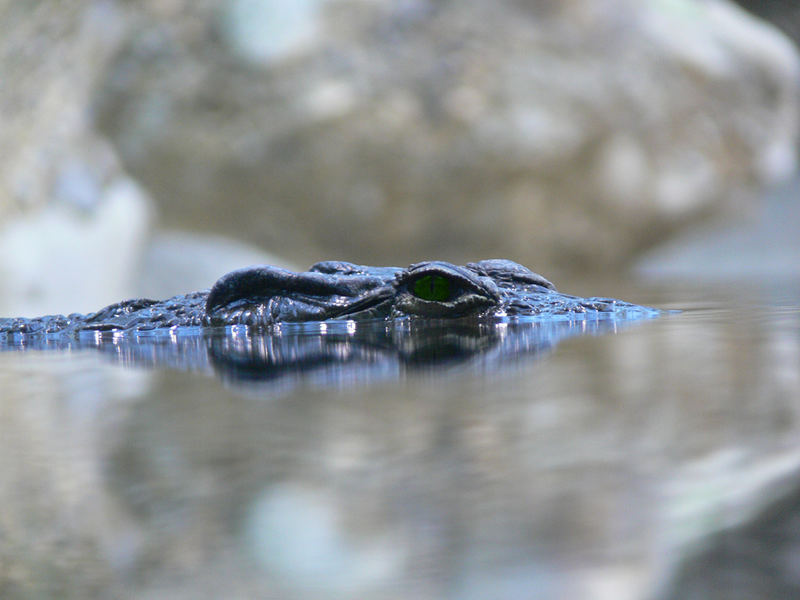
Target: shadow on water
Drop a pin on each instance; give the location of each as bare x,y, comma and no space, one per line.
331,354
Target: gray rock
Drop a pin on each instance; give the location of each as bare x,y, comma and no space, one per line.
64,256
75,228
72,222
178,261
783,14
571,134
761,247
51,55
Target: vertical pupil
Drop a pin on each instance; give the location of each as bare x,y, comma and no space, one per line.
432,287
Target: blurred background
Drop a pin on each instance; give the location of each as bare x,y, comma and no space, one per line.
628,148
149,146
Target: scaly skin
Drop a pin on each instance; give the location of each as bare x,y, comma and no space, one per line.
263,296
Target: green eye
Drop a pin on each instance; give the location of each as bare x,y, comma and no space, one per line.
432,287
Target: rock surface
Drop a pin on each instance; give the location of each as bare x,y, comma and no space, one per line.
759,247
783,14
394,132
72,222
75,228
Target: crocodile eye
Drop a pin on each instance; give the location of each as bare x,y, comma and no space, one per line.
433,288
438,289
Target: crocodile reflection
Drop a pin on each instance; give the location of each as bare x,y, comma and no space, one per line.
331,354
371,352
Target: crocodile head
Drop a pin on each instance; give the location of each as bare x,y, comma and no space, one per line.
264,295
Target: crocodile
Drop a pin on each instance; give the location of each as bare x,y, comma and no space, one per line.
265,296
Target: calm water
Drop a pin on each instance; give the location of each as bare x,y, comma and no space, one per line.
590,460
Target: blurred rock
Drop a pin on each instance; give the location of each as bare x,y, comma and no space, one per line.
176,262
72,223
50,55
75,229
783,14
61,259
572,134
761,247
261,31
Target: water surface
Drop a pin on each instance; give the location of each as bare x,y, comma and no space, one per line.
522,461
